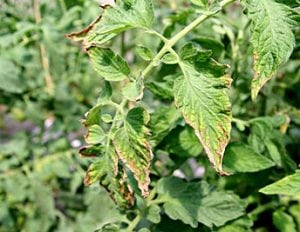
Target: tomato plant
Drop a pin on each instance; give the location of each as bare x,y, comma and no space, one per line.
194,115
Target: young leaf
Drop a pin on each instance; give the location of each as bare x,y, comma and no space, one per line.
169,58
134,91
242,158
201,96
133,148
144,53
195,202
108,65
272,38
95,135
105,93
289,185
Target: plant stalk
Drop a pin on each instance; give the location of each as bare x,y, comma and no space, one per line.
45,61
170,43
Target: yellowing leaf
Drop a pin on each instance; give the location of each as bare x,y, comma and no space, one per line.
106,171
201,95
133,148
272,38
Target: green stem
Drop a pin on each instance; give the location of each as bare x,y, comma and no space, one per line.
133,223
254,213
170,43
114,122
63,6
236,120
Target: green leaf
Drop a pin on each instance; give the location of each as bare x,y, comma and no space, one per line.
183,142
9,77
242,158
294,211
169,58
283,221
132,146
108,65
95,135
144,53
201,3
242,224
105,93
196,202
201,95
107,118
106,171
272,38
125,15
162,89
93,116
134,91
162,121
153,213
289,185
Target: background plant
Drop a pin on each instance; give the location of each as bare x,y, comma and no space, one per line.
158,90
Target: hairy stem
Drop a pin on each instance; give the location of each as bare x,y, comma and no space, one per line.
170,43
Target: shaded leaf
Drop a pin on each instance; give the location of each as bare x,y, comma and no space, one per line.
196,202
201,95
162,89
242,224
183,142
162,121
283,221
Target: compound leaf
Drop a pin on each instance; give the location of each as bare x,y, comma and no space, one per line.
201,95
272,38
108,65
133,148
196,202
